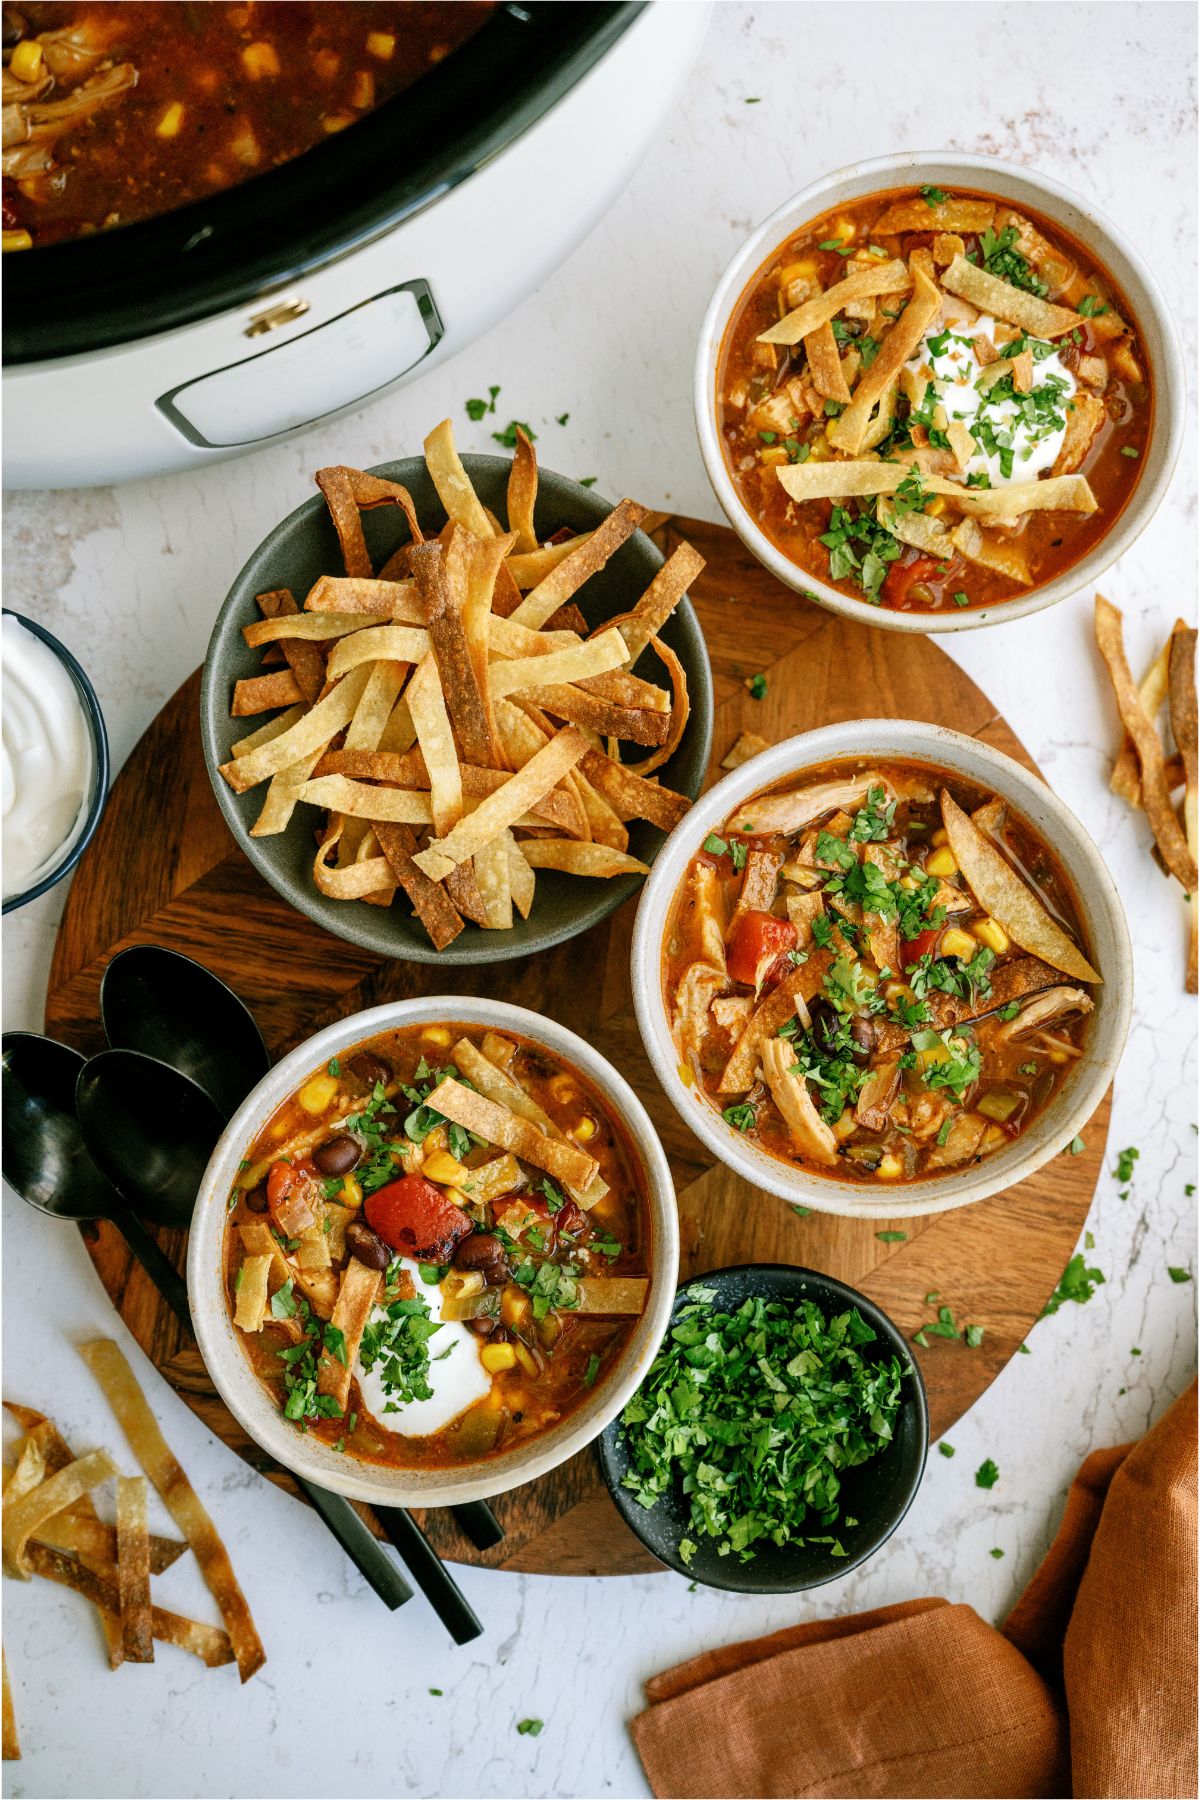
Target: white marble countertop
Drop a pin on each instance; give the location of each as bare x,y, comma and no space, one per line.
1098,95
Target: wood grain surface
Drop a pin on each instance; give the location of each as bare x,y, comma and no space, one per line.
163,869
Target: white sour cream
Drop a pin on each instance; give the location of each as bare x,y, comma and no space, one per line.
48,760
955,368
456,1375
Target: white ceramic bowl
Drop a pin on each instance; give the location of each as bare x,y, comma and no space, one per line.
1100,909
240,1388
954,169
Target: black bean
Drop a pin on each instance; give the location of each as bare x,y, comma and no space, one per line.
483,1325
826,1021
370,1068
862,1039
338,1156
256,1199
484,1252
369,1248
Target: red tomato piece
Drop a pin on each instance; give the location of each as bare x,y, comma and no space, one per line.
290,1196
901,577
417,1218
756,936
924,944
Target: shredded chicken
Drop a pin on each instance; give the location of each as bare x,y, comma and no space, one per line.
1055,1003
809,1132
878,1092
792,812
963,1142
697,991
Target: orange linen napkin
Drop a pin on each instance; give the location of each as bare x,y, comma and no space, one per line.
1089,1689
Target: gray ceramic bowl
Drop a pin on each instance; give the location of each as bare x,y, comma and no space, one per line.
1100,909
303,547
1021,187
217,1336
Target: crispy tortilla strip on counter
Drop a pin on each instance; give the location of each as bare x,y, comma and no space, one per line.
23,1517
212,1645
1152,692
107,1363
356,1296
133,1569
1156,800
564,580
806,1128
768,1016
29,1472
1182,695
575,858
502,809
10,1738
849,431
454,490
312,732
747,745
499,1126
884,278
631,796
1001,892
616,1295
1036,317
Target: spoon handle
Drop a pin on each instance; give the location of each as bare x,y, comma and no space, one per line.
430,1574
361,1545
476,1520
159,1268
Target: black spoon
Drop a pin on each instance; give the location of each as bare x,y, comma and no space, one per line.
48,1165
173,1008
152,1131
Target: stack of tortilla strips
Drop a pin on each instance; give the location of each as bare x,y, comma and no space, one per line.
52,1528
1145,773
451,715
901,299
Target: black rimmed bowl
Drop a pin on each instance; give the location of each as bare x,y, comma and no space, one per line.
877,1494
304,547
98,792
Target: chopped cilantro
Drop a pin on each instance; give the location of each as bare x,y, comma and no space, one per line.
508,437
1125,1162
945,1449
588,480
933,196
562,418
892,1237
1076,1147
592,1370
740,1117
1130,450
996,1553
757,685
1077,1282
987,1474
1179,1274
1091,306
531,1727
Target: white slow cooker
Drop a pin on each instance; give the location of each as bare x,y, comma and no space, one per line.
239,320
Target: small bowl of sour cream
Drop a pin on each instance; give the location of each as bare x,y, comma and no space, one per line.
54,769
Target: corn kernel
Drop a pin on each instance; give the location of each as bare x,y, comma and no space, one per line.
362,95
1057,1056
351,1194
443,1167
993,934
27,60
525,1357
774,457
993,1137
332,122
254,1175
845,1125
317,1095
846,230
168,126
909,883
261,59
819,449
936,507
941,863
584,1131
497,1358
940,836
436,1139
890,1168
515,1306
805,269
958,943
458,1197
380,44
437,1034
898,990
18,240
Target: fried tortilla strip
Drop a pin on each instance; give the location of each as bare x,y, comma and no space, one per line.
85,1534
24,1517
261,693
615,1295
522,493
491,872
1001,892
347,492
522,882
345,596
429,900
680,709
309,627
589,554
625,689
1152,692
304,658
441,573
463,888
359,800
266,733
11,1741
748,745
252,1296
990,553
502,809
759,882
844,480
409,771
498,1085
1036,317
499,1126
573,858
633,725
593,657
768,1016
284,792
398,643
133,1569
355,880
507,638
463,505
356,1296
825,364
1168,833
528,568
863,284
602,825
849,431
30,1470
212,1645
431,721
108,1365
482,562
659,601
312,732
950,214
1182,693
631,796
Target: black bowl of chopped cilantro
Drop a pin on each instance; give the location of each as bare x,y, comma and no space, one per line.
779,1437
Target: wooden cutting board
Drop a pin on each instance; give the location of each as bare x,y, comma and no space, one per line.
163,869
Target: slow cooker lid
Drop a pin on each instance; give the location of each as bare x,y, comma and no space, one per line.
139,280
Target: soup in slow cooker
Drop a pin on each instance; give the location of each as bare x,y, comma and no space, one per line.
119,112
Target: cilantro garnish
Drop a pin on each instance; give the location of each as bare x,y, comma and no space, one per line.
531,1727
1179,1274
1125,1161
933,197
398,1345
1077,1282
757,685
1001,259
945,1449
477,409
987,1474
740,1117
756,1415
508,437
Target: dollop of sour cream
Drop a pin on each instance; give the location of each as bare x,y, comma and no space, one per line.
456,1374
48,759
947,358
